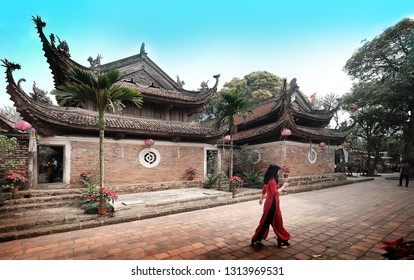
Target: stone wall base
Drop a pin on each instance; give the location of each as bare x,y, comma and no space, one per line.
314,182
150,187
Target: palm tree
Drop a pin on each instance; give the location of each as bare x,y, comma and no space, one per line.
103,92
230,104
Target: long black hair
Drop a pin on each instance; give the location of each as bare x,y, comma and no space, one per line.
271,172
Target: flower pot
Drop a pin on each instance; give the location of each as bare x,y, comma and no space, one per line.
102,210
14,190
286,175
234,192
190,177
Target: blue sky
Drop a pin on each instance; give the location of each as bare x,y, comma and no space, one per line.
307,40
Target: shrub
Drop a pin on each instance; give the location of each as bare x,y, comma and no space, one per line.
215,179
252,176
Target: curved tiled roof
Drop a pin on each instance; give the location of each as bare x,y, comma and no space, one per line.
271,131
5,124
51,119
185,97
60,63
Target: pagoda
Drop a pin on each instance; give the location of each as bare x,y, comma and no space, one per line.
288,131
158,142
166,119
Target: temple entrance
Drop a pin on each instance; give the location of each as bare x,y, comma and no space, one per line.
212,162
50,164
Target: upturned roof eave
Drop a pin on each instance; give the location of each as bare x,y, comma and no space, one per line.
51,119
186,99
273,130
60,63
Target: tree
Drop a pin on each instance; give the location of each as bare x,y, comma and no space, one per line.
262,84
103,92
375,122
329,102
8,147
229,105
10,113
256,86
388,60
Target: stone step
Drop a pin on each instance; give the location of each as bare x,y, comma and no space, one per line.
40,204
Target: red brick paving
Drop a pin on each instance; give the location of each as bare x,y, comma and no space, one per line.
342,223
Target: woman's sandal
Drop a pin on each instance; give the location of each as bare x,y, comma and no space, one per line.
282,243
256,243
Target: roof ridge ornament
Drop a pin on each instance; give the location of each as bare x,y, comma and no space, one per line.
142,52
95,62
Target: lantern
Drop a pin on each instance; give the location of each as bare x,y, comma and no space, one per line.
149,142
227,137
313,97
286,132
322,144
22,125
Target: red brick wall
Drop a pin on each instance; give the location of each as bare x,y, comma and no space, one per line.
122,164
296,158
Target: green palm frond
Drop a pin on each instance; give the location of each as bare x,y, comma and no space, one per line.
100,90
231,104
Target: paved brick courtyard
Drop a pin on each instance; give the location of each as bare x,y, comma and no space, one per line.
340,223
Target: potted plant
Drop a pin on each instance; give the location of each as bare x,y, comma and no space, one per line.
102,198
235,182
191,172
16,179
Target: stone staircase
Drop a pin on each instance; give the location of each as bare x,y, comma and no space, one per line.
31,210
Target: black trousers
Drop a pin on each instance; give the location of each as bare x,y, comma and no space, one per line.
407,179
267,222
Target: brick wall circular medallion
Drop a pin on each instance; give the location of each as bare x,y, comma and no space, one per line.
255,156
312,155
149,157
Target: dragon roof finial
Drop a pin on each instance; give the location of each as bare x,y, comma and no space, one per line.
39,23
10,65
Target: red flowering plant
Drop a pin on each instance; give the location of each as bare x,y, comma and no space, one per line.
236,182
398,249
16,177
103,196
87,175
191,171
